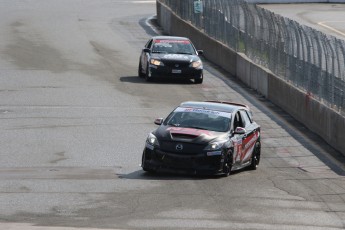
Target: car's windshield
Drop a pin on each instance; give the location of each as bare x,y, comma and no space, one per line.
173,47
199,119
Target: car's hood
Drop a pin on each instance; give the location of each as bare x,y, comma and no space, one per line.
169,133
175,57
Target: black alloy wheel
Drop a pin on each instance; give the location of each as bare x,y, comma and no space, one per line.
199,79
147,77
227,164
143,164
140,71
255,157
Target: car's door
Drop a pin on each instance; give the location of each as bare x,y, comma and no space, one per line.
145,55
249,138
237,139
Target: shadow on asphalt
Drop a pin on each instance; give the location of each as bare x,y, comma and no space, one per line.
142,175
138,80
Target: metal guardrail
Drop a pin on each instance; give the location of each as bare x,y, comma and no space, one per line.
305,57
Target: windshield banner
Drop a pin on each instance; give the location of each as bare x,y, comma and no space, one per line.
204,111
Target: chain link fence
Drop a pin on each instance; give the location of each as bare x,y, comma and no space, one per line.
305,57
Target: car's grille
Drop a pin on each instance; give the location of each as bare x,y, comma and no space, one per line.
176,64
186,161
187,148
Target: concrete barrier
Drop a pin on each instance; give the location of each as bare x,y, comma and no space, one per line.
322,120
294,1
251,74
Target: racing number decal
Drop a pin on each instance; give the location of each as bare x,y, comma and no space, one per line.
248,144
243,147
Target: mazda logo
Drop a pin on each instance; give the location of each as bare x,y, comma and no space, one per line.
179,147
177,65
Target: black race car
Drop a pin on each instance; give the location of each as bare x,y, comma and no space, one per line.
167,56
212,137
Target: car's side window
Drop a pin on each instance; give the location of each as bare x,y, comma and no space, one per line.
148,44
245,117
238,122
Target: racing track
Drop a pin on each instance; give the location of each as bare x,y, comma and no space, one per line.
74,118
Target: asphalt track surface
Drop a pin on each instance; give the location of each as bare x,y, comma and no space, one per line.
74,118
327,18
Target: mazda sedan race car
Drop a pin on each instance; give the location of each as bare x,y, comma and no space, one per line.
167,56
211,137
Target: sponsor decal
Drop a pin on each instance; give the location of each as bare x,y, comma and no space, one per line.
176,56
250,142
172,41
205,111
248,147
214,153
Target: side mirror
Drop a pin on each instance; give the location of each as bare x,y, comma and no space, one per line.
146,50
158,121
240,130
200,52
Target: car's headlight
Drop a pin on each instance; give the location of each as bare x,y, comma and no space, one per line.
156,62
151,141
196,64
216,145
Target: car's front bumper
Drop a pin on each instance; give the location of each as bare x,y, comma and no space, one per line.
157,160
167,71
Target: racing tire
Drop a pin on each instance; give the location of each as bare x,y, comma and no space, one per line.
140,71
143,165
147,77
199,80
227,164
255,157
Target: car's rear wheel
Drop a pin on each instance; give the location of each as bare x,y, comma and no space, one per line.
255,156
227,164
198,80
140,71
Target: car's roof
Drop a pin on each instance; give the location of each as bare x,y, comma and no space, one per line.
169,38
214,105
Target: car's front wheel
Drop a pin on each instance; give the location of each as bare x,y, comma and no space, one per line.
147,74
227,164
198,80
255,156
140,71
143,160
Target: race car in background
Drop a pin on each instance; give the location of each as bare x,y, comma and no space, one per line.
168,56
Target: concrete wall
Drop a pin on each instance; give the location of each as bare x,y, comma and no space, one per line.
294,1
322,120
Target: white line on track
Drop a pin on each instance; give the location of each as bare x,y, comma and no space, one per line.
331,28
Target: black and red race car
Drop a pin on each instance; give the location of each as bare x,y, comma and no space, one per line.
172,57
212,137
